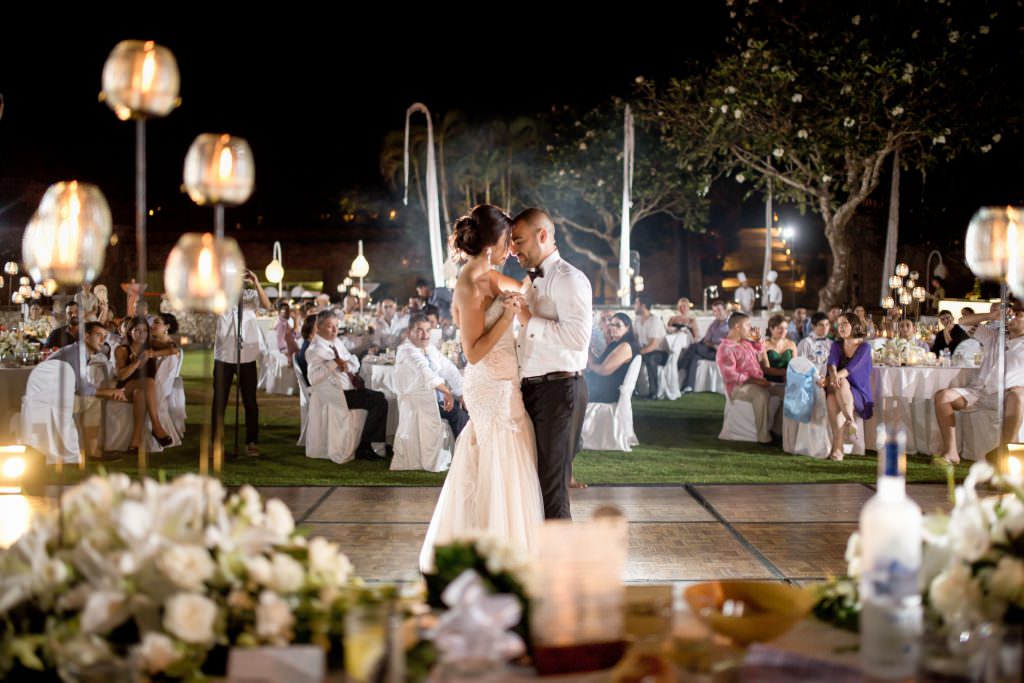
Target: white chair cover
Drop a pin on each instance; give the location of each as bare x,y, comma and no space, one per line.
47,412
304,390
119,419
609,426
977,433
668,374
176,398
708,377
965,351
423,440
738,422
332,430
275,374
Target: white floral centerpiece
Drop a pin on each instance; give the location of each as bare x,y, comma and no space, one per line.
13,344
37,329
163,575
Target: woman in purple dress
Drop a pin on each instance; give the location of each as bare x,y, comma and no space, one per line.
847,381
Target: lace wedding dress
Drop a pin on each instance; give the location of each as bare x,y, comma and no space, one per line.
492,486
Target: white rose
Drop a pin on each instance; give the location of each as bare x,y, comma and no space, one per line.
802,134
725,108
259,570
279,518
731,90
157,652
287,574
740,178
952,593
826,179
188,566
778,152
853,555
190,617
897,111
251,507
849,123
798,98
274,619
969,533
327,562
1007,581
737,113
103,611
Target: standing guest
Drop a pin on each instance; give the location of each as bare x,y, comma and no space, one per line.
848,381
937,294
744,295
104,313
799,326
286,337
88,304
737,358
817,346
323,302
773,295
436,372
135,369
329,361
606,371
414,306
650,334
778,351
67,333
226,353
865,320
684,318
707,347
950,336
439,297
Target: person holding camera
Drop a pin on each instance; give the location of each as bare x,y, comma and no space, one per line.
231,354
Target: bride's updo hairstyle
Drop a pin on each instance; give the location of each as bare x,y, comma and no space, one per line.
485,226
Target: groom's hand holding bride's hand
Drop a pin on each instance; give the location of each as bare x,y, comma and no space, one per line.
516,302
449,400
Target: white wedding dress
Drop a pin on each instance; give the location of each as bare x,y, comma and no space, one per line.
492,486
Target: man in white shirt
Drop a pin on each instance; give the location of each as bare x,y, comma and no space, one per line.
744,294
553,338
330,361
983,392
650,334
228,357
436,371
390,327
816,346
774,294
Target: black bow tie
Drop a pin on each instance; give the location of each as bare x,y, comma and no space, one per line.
534,273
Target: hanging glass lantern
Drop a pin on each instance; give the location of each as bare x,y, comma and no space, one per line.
360,266
67,237
51,286
888,302
914,275
140,79
203,273
905,298
11,268
895,282
219,169
902,269
920,294
986,245
1015,251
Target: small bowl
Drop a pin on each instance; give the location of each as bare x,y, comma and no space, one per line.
749,611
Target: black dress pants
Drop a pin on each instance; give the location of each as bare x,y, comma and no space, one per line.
223,376
375,429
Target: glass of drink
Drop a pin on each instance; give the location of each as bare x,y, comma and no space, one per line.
366,628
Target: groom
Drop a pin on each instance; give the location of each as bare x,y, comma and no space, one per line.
555,320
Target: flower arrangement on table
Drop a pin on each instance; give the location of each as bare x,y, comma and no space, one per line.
972,569
15,344
37,329
165,577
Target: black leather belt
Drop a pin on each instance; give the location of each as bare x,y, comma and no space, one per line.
551,377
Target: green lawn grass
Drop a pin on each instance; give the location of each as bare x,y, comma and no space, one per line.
678,445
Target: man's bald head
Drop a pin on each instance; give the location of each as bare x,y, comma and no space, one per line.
533,237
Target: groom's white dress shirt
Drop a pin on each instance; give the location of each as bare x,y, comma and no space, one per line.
557,336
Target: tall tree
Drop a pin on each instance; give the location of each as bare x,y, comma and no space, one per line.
815,98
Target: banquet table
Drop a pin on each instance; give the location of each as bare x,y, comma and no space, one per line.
906,393
12,388
379,375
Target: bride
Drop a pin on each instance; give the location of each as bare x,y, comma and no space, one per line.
492,485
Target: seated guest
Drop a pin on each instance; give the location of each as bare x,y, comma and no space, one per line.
161,328
38,325
848,381
389,326
778,350
865,320
706,348
135,369
605,372
950,336
90,411
983,391
286,337
323,302
908,332
684,318
329,361
737,358
800,326
104,313
414,306
307,333
833,317
433,316
68,333
650,335
436,371
816,346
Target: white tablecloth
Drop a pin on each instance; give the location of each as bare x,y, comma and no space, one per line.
381,377
906,394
